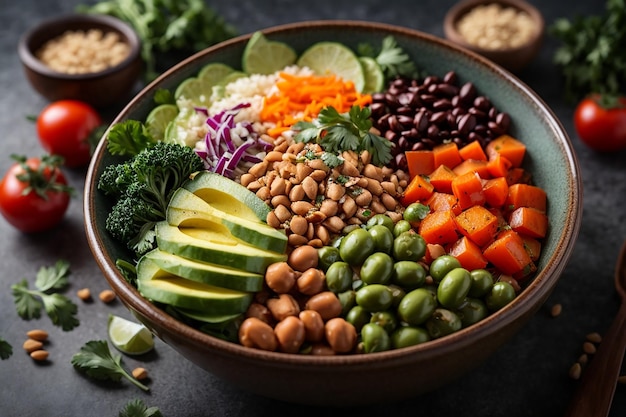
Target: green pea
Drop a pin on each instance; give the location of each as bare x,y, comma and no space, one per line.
500,295
382,220
442,323
441,265
482,281
377,269
339,277
347,300
416,307
374,297
472,311
409,246
374,338
358,317
408,336
401,227
415,213
408,274
383,238
397,293
385,319
326,256
454,287
356,246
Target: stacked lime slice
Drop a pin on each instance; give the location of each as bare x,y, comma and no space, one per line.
326,58
159,118
262,56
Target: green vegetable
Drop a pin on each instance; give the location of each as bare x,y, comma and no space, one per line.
61,310
393,60
337,132
136,408
96,361
592,58
143,187
166,25
128,138
6,350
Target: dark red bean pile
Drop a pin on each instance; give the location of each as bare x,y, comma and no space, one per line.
421,115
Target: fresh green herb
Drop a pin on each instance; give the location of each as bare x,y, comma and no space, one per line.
331,160
592,58
393,60
96,361
342,179
166,25
367,213
136,408
338,132
37,179
61,310
129,138
6,350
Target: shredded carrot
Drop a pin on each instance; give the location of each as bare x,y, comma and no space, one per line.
303,97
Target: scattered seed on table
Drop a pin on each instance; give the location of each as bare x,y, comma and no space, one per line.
37,334
31,345
140,373
583,359
107,296
575,371
39,355
84,294
594,337
589,348
556,310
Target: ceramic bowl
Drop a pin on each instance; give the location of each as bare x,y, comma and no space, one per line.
101,89
396,374
512,58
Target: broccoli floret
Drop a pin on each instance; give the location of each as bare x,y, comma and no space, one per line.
143,187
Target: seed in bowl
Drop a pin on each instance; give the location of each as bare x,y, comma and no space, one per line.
81,52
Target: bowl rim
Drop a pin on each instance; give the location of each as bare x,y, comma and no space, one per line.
461,8
65,22
540,287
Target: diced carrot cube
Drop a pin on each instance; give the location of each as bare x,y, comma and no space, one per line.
509,147
420,162
476,165
529,221
468,254
533,247
508,254
525,195
478,224
496,191
439,227
441,178
443,201
419,189
499,166
473,150
447,154
468,189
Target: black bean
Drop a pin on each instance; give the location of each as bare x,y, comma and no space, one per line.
482,103
504,121
450,78
442,104
438,117
466,124
467,93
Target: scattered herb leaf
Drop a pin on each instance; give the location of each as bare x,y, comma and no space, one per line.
6,350
96,361
137,408
129,138
393,60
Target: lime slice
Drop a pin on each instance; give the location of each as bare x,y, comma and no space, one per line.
212,73
194,90
374,76
158,119
128,336
326,58
262,56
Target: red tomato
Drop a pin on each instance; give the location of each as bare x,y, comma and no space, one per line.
64,128
600,128
41,207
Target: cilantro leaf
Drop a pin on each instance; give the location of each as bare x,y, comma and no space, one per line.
331,160
96,361
61,310
136,408
53,277
28,307
393,60
6,350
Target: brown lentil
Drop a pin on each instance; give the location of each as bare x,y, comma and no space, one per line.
80,52
37,334
39,355
107,296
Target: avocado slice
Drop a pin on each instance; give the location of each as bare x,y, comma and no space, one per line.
187,209
211,274
208,245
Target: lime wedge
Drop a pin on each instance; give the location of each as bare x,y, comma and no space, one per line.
128,336
326,58
262,56
158,119
212,73
194,90
374,76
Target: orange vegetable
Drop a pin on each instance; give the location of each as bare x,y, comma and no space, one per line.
507,146
303,97
476,165
496,191
447,154
533,247
468,189
517,176
508,254
439,227
525,195
443,201
473,150
419,189
529,221
478,224
441,178
468,253
420,162
499,166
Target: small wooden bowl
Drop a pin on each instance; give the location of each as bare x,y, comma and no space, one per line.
100,89
513,59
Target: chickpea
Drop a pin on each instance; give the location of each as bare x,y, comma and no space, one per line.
313,325
340,335
257,334
326,304
290,334
311,282
280,277
283,306
303,258
260,312
321,349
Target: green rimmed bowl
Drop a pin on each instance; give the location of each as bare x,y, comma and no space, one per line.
397,374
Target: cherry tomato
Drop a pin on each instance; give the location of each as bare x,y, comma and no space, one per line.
34,194
600,128
64,127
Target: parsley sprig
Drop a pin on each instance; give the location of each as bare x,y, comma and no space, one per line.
393,60
137,408
6,350
338,132
29,302
96,361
